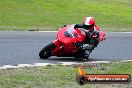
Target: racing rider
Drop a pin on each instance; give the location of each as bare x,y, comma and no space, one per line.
92,34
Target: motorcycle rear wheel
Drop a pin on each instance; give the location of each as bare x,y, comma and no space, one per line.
46,52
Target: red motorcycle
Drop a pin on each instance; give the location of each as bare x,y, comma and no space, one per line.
67,43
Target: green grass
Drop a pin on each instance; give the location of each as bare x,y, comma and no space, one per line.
111,15
60,76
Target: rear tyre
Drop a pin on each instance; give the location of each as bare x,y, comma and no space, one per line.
46,52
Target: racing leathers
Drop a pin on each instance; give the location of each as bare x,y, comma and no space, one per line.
92,37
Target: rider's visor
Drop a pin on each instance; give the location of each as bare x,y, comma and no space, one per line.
88,26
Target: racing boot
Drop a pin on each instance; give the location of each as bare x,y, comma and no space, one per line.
86,55
88,49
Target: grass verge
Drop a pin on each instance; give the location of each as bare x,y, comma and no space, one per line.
60,76
111,15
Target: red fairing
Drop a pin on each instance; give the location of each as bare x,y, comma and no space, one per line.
102,35
66,39
57,49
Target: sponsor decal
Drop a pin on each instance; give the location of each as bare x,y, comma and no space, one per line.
82,77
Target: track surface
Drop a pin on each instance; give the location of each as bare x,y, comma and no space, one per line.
23,48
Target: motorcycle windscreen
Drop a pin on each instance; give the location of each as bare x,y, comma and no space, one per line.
69,35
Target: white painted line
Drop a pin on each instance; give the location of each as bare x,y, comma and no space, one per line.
42,64
100,62
8,66
45,31
24,65
105,32
126,61
118,32
63,63
69,63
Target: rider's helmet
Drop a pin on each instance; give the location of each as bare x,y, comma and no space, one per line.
89,23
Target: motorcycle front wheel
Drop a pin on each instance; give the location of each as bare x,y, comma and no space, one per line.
46,52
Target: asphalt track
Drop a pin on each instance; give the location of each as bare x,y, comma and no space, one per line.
23,48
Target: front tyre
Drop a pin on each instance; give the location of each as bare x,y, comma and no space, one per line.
46,52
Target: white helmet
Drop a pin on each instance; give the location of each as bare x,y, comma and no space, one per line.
89,22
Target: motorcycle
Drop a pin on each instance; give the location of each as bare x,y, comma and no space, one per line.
68,43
